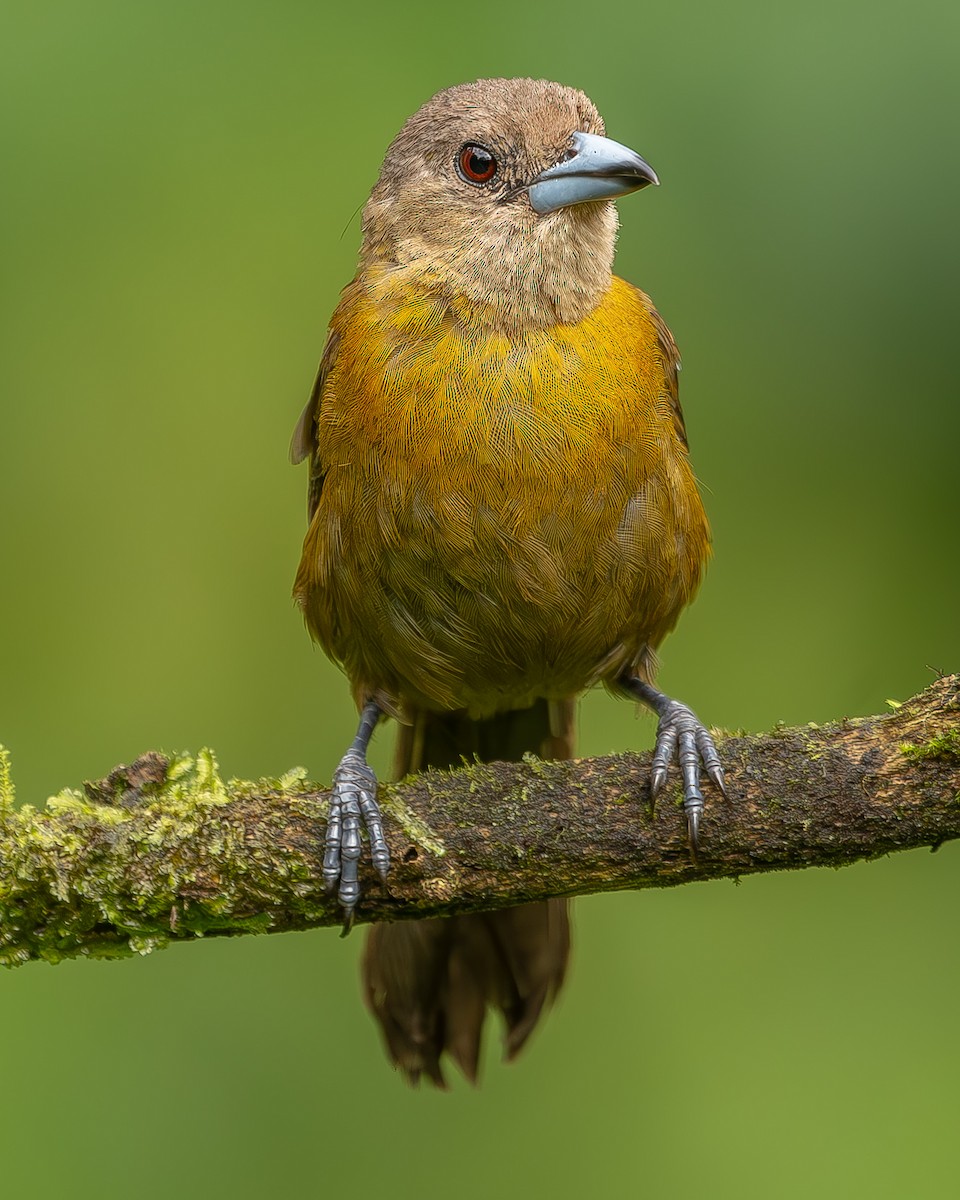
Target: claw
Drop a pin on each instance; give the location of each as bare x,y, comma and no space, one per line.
717,776
667,737
711,759
693,812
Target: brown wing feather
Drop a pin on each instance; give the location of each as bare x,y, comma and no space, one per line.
304,440
671,366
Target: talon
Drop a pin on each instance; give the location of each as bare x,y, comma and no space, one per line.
711,758
663,752
693,811
716,774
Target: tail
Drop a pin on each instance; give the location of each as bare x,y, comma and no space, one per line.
428,983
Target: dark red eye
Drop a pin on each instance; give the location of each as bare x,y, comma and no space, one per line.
476,164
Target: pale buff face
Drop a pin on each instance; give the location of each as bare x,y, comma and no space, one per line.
483,242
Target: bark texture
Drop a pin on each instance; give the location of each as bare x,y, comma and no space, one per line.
163,850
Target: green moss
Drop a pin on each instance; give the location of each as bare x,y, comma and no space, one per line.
541,768
812,746
7,792
150,853
944,746
415,829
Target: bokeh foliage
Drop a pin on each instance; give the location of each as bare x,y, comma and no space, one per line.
177,216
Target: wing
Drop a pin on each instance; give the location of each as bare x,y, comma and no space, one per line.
303,444
671,366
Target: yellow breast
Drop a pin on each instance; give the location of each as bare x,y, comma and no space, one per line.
501,517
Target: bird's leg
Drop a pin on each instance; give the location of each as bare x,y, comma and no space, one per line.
680,735
354,799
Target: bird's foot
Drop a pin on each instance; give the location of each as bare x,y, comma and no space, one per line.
681,736
353,800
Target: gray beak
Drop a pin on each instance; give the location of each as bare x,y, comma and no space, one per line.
598,169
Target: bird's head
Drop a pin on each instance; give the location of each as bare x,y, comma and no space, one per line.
499,194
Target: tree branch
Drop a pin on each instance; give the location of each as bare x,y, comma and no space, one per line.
163,850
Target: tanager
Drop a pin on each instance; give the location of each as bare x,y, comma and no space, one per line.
502,511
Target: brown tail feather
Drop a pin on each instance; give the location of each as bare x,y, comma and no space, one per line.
428,983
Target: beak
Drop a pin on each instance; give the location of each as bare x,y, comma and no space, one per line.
598,169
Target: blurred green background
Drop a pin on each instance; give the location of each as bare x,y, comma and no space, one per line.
178,213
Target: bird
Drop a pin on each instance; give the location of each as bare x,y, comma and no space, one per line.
502,513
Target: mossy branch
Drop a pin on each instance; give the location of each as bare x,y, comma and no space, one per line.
164,850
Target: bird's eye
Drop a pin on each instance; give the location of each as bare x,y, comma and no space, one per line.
476,164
